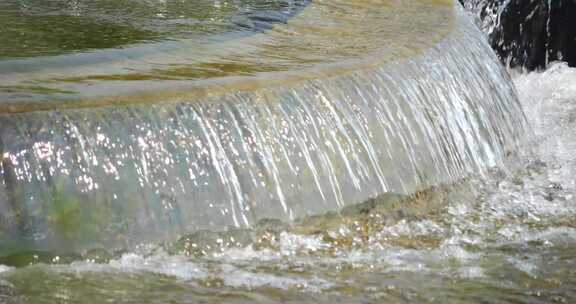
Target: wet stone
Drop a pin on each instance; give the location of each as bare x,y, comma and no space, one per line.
529,34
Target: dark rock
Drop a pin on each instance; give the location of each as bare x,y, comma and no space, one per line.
529,33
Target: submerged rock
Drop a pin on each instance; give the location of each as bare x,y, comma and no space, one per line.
528,34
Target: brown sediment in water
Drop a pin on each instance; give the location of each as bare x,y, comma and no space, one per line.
344,230
360,222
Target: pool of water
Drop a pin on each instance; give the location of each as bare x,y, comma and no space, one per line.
55,27
94,53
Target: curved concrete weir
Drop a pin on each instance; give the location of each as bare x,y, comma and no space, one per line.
326,38
345,101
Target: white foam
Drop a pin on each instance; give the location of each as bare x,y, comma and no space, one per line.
4,268
413,228
237,277
171,265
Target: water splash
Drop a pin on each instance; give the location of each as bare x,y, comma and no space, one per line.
117,175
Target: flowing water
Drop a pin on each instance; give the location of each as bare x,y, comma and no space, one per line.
411,176
504,237
316,138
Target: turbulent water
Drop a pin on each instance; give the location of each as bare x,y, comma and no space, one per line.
506,237
403,174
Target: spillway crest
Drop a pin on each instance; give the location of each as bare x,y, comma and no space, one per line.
300,117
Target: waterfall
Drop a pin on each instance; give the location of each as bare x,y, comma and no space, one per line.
113,175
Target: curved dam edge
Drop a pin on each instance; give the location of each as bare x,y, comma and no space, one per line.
117,176
59,85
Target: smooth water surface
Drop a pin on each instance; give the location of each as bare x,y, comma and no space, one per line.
103,52
35,28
